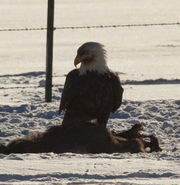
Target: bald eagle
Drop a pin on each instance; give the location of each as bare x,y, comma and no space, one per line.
92,91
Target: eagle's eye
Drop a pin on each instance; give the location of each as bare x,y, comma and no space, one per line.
82,52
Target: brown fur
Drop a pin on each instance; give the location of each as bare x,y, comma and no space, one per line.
82,138
153,144
134,132
131,133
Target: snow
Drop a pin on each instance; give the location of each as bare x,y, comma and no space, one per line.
92,169
147,60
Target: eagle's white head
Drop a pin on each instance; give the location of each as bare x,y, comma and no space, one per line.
92,57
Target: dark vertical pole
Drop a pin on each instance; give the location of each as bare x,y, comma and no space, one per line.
49,51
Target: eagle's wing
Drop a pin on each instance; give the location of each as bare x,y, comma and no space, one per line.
117,91
68,91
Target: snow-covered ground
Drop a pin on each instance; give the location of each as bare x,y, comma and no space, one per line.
147,60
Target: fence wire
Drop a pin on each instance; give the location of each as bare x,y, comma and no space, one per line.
90,27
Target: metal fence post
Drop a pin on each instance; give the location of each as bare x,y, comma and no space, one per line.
49,51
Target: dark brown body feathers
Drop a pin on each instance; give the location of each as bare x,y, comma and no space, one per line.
90,96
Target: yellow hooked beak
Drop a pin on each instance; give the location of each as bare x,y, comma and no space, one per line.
77,60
